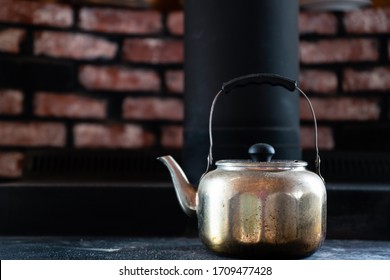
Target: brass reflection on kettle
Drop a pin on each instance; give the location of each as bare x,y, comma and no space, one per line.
259,207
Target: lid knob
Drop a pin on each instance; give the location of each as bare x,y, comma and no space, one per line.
261,152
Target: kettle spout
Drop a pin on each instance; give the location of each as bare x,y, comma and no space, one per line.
186,193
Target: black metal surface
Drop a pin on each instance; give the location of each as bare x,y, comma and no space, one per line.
354,211
96,165
352,166
108,248
225,40
122,194
358,211
142,166
91,209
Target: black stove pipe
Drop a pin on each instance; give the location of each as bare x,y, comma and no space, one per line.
227,39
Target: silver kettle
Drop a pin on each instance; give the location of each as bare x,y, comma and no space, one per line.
256,207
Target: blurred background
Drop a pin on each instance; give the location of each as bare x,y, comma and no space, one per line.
92,81
108,74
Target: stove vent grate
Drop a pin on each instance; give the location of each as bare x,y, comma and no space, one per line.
90,165
142,166
350,166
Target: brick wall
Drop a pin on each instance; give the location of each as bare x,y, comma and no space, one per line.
87,76
345,69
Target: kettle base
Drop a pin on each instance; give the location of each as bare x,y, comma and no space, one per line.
287,251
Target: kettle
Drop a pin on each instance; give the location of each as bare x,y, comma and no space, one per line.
256,207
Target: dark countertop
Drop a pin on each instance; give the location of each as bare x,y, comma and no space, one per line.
122,248
31,211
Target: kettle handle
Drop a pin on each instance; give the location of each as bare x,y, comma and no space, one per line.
259,79
262,78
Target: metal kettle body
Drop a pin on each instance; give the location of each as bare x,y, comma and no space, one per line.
255,211
258,207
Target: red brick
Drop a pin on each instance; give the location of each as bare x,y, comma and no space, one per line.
368,21
10,39
175,23
149,108
153,51
175,81
172,136
112,136
120,21
341,109
32,134
11,102
73,45
11,164
325,138
318,81
29,12
374,79
339,50
118,78
69,106
317,23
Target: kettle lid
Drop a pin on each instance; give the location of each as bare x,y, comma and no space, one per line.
261,157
